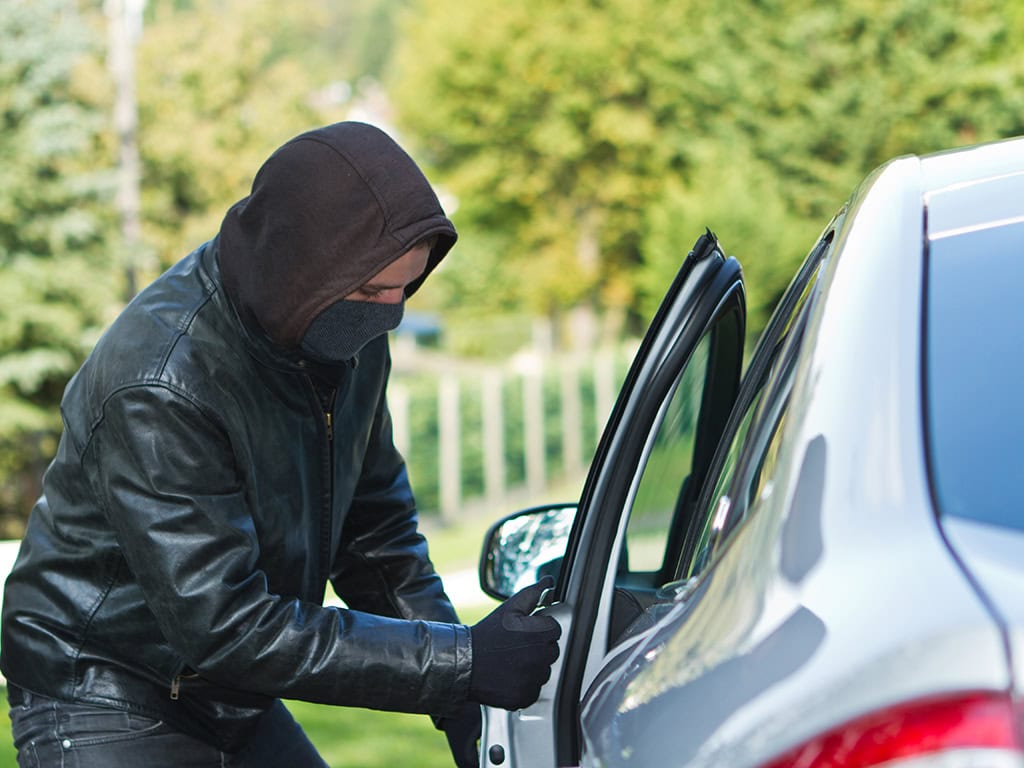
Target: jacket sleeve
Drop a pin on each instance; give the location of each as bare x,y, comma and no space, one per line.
165,474
383,565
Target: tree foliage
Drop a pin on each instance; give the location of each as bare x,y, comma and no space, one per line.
220,86
222,83
635,123
55,289
549,121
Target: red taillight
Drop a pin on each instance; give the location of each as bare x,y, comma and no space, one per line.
982,720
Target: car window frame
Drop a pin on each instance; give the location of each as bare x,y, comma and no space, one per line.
764,394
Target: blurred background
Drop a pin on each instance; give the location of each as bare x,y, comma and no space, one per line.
580,146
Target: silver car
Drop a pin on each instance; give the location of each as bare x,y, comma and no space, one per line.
818,561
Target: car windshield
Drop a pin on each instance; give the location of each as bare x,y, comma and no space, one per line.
974,367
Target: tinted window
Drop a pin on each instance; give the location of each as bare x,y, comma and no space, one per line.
974,370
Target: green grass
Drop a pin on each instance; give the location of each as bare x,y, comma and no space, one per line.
363,738
455,546
8,757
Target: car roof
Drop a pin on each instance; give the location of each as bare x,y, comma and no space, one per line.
971,164
974,188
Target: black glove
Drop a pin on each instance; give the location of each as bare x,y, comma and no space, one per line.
463,732
513,651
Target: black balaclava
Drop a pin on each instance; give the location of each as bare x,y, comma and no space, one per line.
345,327
328,211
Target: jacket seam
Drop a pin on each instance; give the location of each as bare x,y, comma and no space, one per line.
79,448
460,680
362,176
147,383
156,379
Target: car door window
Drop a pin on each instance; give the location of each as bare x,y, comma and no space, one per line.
760,485
756,425
668,475
661,489
712,521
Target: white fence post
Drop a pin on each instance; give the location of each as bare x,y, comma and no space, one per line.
604,388
491,383
572,419
450,457
494,437
533,426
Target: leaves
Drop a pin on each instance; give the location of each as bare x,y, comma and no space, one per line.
223,83
56,290
576,122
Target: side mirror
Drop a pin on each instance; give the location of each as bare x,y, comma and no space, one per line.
522,548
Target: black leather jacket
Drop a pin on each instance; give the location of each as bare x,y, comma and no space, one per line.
204,491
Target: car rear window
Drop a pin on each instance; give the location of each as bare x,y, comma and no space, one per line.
974,371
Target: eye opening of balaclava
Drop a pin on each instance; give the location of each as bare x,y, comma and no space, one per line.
328,210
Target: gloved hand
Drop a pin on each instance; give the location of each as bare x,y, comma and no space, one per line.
513,651
463,732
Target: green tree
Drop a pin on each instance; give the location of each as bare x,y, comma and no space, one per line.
826,92
806,98
596,138
361,36
555,125
56,289
221,84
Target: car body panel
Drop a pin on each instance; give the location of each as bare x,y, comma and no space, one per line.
993,556
964,166
969,192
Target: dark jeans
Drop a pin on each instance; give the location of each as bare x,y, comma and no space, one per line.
54,733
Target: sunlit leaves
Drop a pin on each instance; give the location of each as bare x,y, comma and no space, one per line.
754,118
56,281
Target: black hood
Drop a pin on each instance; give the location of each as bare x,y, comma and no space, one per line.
328,210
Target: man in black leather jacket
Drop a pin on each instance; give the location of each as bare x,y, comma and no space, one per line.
226,453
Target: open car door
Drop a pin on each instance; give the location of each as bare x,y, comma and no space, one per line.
614,551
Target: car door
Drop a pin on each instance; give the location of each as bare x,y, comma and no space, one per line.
630,521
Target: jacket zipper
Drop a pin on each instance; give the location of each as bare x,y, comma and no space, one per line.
327,407
325,525
326,397
176,683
